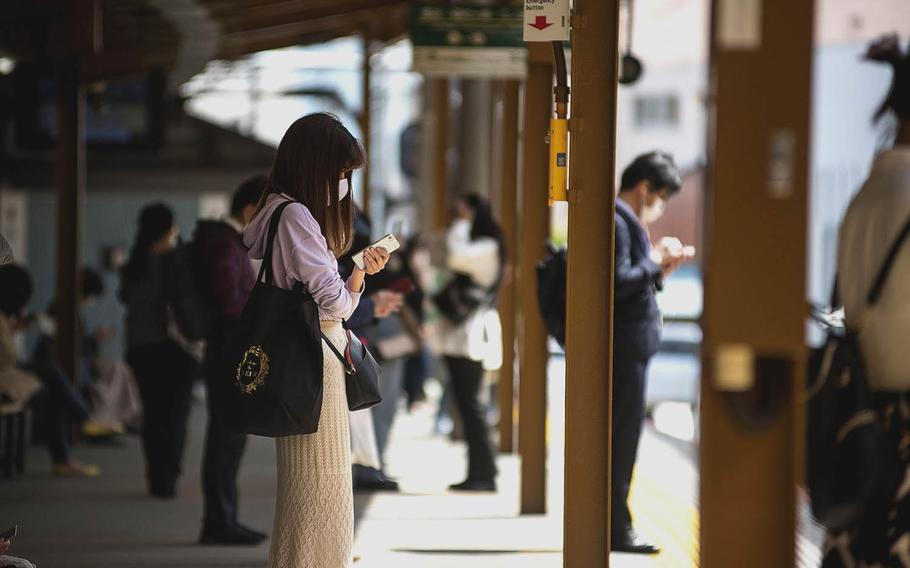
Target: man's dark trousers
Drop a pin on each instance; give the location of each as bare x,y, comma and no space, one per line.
629,372
224,447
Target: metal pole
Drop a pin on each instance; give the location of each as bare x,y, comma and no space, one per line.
508,194
440,177
70,197
534,232
589,348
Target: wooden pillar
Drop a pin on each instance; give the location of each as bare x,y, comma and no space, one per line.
70,197
589,337
750,463
508,198
534,231
366,117
440,178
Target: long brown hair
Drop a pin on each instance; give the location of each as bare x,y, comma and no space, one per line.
313,153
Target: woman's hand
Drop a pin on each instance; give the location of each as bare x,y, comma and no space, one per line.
375,259
386,302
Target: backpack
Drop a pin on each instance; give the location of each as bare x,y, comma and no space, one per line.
191,306
850,463
551,292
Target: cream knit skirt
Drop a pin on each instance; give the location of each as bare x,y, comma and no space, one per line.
314,514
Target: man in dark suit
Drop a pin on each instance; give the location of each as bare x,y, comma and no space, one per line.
228,279
646,186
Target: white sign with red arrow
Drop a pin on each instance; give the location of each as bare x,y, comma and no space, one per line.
546,20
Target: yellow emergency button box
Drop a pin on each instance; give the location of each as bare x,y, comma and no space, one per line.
559,159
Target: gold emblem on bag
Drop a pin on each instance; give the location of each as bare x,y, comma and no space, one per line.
253,370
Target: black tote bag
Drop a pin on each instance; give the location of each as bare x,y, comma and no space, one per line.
272,365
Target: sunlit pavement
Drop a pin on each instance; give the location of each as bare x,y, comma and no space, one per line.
425,526
110,523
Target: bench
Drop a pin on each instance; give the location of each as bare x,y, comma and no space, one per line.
13,439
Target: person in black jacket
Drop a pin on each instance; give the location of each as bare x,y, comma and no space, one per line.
227,278
646,186
164,368
382,303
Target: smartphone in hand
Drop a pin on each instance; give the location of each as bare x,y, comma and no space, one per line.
388,242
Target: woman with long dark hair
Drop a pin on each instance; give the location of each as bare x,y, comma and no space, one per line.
470,336
163,369
875,218
314,516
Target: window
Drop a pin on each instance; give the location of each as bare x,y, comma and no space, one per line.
657,111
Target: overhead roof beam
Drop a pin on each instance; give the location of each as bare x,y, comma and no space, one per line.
286,11
248,41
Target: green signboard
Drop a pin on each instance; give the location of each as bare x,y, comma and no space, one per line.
471,41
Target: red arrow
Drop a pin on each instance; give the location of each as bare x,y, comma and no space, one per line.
541,23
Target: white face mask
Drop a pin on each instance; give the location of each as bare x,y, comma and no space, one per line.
651,213
343,189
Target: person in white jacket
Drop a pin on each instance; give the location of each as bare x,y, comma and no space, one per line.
469,333
875,218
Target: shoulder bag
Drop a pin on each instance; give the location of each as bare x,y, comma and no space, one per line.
849,459
362,373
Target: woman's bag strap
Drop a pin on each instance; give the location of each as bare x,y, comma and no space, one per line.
882,277
267,268
345,361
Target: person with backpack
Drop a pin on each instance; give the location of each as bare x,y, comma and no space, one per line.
469,326
226,278
162,361
874,235
639,269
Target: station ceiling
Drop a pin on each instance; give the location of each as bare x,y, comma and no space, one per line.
116,37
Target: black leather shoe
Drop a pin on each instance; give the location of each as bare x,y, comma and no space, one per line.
629,542
257,534
231,536
475,485
370,479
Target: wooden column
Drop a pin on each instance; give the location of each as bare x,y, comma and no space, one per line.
756,246
534,232
508,197
70,197
589,338
366,118
439,176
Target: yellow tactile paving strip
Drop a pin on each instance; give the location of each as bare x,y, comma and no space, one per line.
667,518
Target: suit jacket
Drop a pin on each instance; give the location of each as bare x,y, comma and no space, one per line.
636,317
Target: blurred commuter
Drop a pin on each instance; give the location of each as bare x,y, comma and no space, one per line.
108,385
16,386
164,369
366,448
467,332
418,366
646,186
227,280
875,217
314,515
57,402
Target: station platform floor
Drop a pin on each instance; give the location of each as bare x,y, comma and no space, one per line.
109,522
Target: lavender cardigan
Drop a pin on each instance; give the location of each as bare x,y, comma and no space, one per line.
302,255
